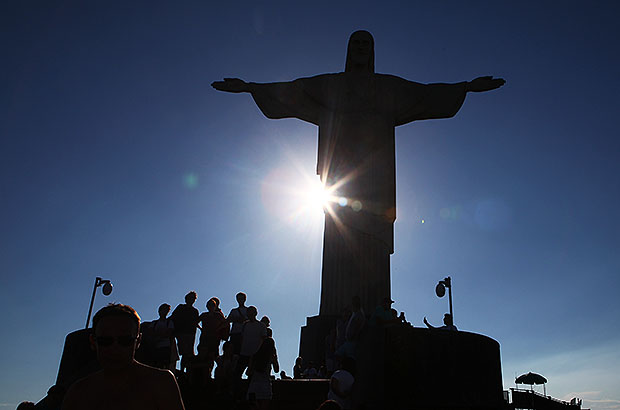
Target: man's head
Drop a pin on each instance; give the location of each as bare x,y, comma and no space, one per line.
252,312
163,310
360,52
447,319
116,335
241,298
190,298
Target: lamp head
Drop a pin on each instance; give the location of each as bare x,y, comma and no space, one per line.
107,288
440,289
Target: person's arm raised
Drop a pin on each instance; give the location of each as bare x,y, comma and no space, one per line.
428,324
232,85
486,83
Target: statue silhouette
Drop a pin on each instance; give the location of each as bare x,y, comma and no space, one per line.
356,112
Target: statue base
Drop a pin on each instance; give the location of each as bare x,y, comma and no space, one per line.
404,367
312,338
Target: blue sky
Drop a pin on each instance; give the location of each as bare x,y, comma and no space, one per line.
119,160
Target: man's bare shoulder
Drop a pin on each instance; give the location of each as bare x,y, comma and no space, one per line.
143,387
162,384
83,389
152,374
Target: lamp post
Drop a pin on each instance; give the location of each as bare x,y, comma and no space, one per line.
440,291
106,290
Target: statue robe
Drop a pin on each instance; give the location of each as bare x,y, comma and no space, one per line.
356,115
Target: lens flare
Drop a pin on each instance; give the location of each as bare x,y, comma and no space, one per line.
190,180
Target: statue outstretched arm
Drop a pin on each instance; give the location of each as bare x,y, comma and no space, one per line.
486,83
300,98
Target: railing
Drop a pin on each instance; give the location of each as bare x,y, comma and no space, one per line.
529,399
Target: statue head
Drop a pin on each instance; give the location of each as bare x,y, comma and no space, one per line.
360,52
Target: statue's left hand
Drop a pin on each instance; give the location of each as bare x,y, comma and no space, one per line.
231,85
486,83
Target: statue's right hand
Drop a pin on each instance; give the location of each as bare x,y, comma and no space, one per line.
231,85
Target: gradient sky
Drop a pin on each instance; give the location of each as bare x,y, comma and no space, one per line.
119,160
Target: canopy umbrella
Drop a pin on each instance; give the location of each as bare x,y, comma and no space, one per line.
532,379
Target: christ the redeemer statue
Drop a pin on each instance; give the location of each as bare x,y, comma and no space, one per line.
356,112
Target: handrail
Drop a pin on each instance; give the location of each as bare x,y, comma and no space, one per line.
538,394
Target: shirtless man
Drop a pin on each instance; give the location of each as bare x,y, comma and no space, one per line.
123,383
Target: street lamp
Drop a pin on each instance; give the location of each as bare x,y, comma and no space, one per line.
440,291
106,290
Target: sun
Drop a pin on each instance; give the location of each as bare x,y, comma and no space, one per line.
317,197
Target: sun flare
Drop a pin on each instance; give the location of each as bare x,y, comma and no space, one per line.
317,197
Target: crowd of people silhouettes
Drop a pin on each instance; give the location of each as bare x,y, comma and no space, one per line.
148,353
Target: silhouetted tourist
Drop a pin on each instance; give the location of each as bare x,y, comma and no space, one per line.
354,328
341,384
298,369
284,376
252,337
341,327
25,405
122,383
237,318
447,323
267,322
384,314
310,372
259,371
329,405
214,329
225,373
185,318
166,354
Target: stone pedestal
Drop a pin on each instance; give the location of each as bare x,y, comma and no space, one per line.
312,339
78,358
403,367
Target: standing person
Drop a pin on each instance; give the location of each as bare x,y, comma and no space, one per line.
213,323
384,314
237,318
223,330
252,336
354,328
267,322
122,382
298,369
225,371
341,326
259,371
185,318
166,355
